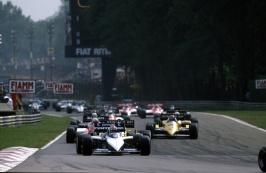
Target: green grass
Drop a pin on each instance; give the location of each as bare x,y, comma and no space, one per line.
254,117
33,135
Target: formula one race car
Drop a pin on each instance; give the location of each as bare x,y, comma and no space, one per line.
262,159
76,127
150,109
115,138
62,105
88,115
76,106
173,127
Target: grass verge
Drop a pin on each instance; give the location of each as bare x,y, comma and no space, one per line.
254,117
33,135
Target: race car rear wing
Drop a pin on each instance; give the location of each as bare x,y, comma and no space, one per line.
168,109
121,125
155,104
88,118
183,115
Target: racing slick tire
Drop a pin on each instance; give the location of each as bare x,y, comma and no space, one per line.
157,119
262,159
136,138
87,145
58,109
74,122
193,131
69,110
70,134
145,146
142,113
188,117
194,120
150,127
79,143
146,133
126,117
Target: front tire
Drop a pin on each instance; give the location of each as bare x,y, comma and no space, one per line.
70,135
193,131
145,147
262,159
87,143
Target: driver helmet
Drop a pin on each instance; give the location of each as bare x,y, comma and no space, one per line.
94,115
171,118
95,120
112,128
172,107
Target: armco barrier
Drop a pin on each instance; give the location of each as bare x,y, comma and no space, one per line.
19,119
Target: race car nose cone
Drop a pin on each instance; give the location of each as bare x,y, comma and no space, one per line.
116,143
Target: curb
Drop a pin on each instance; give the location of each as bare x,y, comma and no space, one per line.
13,156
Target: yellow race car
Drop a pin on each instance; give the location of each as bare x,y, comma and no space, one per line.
173,128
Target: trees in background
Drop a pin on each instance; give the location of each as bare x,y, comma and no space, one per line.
185,50
175,49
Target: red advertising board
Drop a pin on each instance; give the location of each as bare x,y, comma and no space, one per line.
22,86
49,85
260,84
63,88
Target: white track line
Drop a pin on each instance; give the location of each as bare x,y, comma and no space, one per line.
50,143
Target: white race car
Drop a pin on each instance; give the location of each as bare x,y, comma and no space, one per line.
77,106
114,138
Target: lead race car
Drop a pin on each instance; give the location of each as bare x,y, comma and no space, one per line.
113,137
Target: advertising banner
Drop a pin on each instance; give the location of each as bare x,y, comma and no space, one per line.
260,84
22,86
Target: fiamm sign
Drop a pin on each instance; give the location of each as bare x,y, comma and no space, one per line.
22,86
260,84
63,88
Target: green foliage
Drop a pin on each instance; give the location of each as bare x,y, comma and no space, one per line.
256,118
177,49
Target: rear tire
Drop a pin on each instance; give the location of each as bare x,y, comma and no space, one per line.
150,127
146,133
79,143
69,110
262,159
57,108
74,122
126,117
145,146
87,143
142,113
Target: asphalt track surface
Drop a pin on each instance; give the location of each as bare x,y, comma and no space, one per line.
223,146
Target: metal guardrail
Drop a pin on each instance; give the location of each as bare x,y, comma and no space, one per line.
19,119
